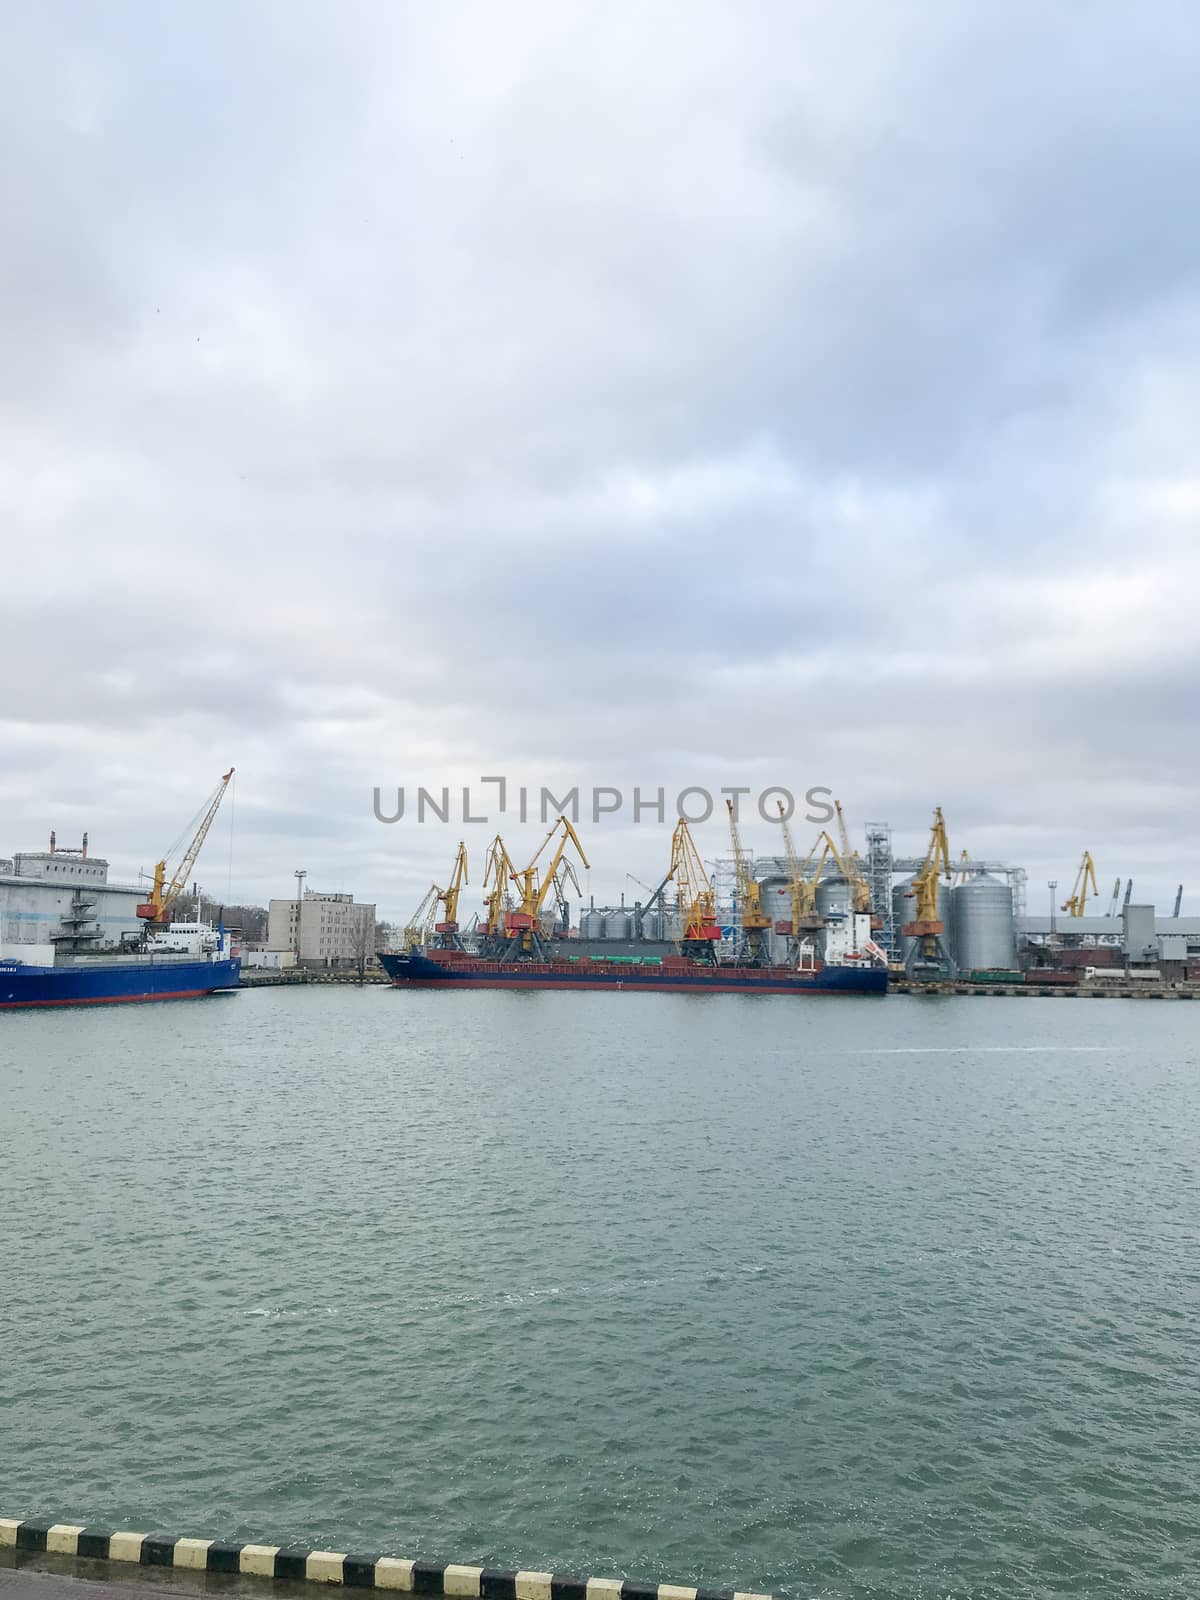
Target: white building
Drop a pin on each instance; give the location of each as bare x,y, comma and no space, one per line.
46,894
322,930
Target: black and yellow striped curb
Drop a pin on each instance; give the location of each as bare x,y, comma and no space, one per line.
335,1566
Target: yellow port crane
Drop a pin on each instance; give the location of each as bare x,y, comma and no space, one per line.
755,921
419,928
1076,905
157,909
498,874
449,896
927,930
698,928
802,882
534,884
850,867
424,926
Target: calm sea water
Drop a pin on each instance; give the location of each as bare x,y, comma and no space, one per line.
827,1297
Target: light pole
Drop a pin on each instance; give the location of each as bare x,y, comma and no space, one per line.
300,877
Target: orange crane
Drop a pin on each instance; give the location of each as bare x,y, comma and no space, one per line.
698,927
754,919
157,909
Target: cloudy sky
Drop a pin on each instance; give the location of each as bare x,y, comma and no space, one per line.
722,394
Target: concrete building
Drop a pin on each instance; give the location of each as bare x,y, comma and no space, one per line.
260,960
48,895
322,930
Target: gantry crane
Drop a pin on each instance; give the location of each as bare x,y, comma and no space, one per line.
1116,895
1076,906
699,931
755,922
927,931
534,884
157,909
1178,900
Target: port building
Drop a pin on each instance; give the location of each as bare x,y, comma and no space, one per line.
322,930
54,898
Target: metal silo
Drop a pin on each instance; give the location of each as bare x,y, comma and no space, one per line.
904,909
776,899
654,926
591,925
833,897
985,934
618,925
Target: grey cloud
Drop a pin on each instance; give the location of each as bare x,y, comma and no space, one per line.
401,394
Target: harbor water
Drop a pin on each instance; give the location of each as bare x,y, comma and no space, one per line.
826,1297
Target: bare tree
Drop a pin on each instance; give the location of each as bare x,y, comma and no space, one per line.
363,940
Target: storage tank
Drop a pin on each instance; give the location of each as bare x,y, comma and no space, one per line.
833,897
984,928
904,909
775,895
618,925
654,926
591,925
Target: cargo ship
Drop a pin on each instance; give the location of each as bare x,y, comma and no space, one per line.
518,947
458,969
183,962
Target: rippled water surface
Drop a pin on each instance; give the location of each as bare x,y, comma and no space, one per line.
830,1297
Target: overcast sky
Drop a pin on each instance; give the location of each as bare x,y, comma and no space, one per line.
683,393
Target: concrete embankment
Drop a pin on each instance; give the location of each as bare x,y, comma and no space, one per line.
96,1548
261,978
1072,991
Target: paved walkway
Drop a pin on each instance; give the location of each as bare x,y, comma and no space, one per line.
42,1577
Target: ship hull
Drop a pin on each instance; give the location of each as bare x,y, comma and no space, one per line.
427,971
115,983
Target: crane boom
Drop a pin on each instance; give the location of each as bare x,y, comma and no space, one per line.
849,865
498,873
698,927
420,924
755,922
450,895
157,909
802,883
1076,906
926,930
534,884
